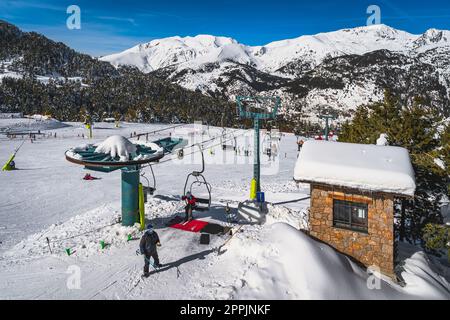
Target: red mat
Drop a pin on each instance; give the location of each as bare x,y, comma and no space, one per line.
192,226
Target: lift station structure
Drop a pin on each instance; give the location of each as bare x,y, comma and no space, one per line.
141,155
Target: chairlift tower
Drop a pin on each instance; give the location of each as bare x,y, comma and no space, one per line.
131,169
327,117
259,109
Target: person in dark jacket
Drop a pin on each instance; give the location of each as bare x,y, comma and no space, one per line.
148,247
190,205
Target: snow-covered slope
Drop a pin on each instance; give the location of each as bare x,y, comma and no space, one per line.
270,261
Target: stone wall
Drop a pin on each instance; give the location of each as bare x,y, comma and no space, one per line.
376,247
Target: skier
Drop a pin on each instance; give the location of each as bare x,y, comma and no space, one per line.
300,144
147,247
12,165
89,177
190,205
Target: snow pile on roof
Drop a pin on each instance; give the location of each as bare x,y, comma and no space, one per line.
294,266
38,117
117,146
382,140
360,166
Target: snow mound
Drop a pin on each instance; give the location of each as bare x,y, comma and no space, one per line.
39,117
422,280
82,234
117,146
24,124
360,166
294,266
382,140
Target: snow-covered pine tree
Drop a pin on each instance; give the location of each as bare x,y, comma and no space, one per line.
413,127
445,148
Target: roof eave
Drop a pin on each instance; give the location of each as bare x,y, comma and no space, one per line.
395,194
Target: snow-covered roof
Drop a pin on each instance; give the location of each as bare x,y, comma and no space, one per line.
360,166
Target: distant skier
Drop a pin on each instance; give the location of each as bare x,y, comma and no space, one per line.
300,144
190,205
148,247
12,165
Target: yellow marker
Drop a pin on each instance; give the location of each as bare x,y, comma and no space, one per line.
141,207
253,189
89,127
7,166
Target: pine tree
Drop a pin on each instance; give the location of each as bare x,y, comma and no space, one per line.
414,128
445,148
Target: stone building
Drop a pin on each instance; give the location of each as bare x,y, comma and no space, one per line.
353,188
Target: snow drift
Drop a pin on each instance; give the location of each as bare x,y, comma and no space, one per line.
294,266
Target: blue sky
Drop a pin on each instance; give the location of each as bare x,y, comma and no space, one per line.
110,26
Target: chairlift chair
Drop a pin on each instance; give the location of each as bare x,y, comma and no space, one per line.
180,154
223,141
149,189
267,144
199,181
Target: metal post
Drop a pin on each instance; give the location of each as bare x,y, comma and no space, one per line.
327,118
256,163
130,196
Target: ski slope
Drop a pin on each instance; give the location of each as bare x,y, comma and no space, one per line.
47,198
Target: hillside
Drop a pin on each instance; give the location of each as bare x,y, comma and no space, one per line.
42,76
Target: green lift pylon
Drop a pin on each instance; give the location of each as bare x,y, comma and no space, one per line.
327,118
257,114
130,195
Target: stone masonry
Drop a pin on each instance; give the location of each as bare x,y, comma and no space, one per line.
374,248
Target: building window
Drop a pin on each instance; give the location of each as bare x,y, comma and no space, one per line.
350,215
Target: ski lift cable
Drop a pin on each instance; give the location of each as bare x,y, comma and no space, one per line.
210,146
159,130
18,148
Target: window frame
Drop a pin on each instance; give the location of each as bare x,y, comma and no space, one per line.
346,205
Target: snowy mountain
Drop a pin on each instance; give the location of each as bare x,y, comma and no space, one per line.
304,70
39,75
189,51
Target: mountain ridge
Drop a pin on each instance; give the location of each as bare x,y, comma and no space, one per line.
221,66
385,38
39,75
